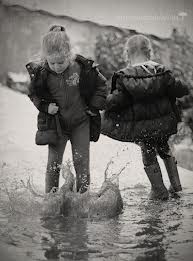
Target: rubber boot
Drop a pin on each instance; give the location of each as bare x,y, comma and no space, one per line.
52,180
171,167
158,189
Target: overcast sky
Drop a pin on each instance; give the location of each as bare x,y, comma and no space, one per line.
149,16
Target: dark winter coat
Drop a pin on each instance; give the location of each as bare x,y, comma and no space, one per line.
142,103
92,86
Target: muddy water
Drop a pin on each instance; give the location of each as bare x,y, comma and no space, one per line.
146,230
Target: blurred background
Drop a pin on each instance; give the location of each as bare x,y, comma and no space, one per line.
168,23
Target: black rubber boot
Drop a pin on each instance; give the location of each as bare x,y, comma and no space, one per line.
171,167
158,189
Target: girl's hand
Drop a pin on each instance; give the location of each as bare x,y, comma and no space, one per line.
52,108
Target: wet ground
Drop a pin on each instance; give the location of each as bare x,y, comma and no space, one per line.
146,230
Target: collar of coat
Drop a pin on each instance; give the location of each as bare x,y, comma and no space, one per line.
88,77
35,66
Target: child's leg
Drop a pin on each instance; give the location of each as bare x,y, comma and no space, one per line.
153,171
148,153
80,140
165,153
163,149
55,156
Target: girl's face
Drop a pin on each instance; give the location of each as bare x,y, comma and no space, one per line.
58,62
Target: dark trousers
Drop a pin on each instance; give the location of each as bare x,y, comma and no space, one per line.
80,141
150,149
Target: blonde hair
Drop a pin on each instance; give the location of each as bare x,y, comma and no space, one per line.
55,41
138,44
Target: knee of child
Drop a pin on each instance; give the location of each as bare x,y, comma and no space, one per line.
80,155
78,158
54,166
164,153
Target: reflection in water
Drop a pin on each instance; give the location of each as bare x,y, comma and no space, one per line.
104,238
81,239
155,230
152,243
68,239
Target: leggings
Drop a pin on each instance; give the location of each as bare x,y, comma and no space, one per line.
80,141
150,149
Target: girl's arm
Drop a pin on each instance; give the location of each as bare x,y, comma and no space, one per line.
119,98
39,103
99,98
34,73
176,88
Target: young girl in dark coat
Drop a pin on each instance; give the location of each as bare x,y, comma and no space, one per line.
141,108
68,91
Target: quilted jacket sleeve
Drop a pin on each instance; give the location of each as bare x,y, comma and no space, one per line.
118,99
40,103
99,98
176,88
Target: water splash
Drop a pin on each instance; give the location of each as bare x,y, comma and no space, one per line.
114,175
16,194
21,197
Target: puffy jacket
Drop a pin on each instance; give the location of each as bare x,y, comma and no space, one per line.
92,86
142,103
